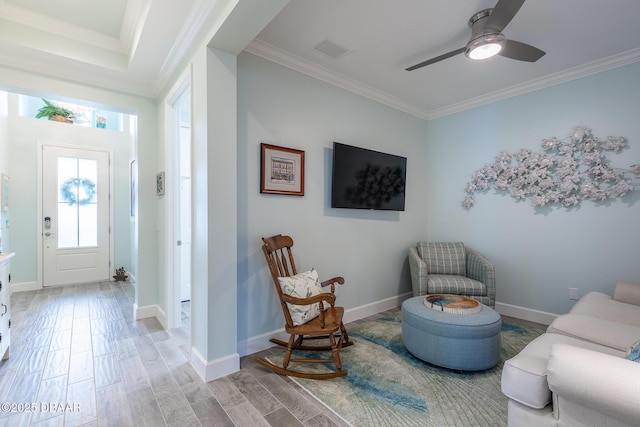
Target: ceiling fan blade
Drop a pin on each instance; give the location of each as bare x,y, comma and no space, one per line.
521,51
436,59
502,13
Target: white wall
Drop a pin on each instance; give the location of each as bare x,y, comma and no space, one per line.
282,107
539,254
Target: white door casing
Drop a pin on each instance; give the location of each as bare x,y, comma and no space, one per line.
178,232
184,213
75,215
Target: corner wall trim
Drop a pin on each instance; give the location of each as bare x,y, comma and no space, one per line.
524,313
25,286
151,311
376,307
214,369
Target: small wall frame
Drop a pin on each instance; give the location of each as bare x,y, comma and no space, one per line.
281,170
160,184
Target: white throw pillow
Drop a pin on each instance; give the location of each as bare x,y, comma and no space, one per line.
302,285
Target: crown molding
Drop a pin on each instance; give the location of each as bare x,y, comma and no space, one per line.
51,25
560,77
15,62
188,35
284,58
135,16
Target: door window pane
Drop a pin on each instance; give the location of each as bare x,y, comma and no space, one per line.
67,226
77,202
88,225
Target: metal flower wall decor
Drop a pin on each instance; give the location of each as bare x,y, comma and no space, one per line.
568,171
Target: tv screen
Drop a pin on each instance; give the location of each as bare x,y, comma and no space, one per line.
367,179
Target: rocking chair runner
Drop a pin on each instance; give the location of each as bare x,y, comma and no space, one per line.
277,251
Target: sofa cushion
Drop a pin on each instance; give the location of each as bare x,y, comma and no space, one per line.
627,292
593,389
443,257
458,285
600,331
602,306
524,377
519,415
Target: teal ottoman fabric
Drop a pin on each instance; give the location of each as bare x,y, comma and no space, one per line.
463,342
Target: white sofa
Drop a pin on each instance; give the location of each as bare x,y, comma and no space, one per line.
576,373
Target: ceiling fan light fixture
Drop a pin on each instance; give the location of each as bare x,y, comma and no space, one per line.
485,46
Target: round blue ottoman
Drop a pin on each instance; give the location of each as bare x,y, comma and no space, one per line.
464,342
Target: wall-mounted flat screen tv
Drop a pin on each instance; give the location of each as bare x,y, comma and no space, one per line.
367,179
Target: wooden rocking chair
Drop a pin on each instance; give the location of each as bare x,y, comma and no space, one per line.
277,251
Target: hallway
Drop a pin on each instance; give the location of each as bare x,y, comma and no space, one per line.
79,359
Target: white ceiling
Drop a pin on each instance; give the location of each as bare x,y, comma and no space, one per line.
384,37
135,45
131,46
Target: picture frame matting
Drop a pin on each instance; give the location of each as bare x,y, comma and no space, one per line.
281,170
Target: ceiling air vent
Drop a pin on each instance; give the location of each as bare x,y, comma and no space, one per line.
332,49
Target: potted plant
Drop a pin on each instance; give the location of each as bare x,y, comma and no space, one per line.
121,275
54,112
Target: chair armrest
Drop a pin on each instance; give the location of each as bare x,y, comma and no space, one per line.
419,273
331,282
627,292
323,297
481,269
603,383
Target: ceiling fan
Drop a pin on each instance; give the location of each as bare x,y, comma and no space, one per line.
487,39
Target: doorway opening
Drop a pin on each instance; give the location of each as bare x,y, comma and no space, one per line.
184,204
180,209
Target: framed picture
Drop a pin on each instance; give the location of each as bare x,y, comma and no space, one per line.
160,184
4,191
281,170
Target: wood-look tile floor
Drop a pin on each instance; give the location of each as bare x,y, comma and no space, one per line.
79,359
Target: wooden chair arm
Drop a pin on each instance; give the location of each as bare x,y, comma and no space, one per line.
330,298
339,280
331,282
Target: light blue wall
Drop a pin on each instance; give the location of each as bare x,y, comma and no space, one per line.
5,233
282,107
539,255
25,133
145,253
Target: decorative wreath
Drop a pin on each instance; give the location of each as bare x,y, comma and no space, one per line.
72,195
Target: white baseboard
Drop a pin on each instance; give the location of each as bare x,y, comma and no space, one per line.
25,286
151,311
261,342
524,313
214,369
370,309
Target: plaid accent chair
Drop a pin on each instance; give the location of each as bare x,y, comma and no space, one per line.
452,268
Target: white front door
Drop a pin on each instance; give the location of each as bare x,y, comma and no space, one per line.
75,207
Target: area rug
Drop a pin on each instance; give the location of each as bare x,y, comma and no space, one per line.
387,386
